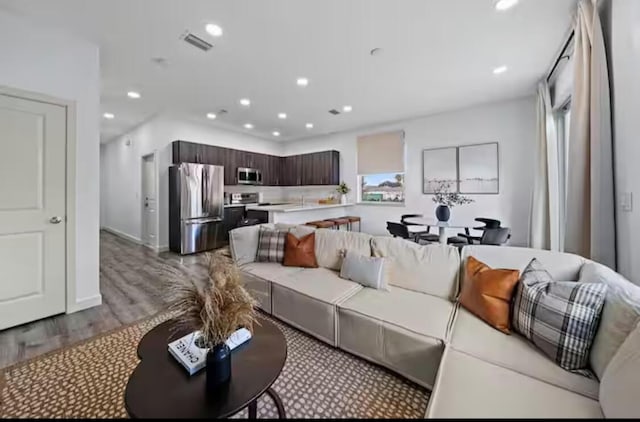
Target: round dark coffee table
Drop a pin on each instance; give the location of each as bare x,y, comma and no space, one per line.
160,387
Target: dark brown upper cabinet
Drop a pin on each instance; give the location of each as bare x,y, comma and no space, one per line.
318,168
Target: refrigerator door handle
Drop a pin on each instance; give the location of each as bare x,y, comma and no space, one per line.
202,220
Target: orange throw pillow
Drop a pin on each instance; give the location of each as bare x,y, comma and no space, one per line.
487,292
300,252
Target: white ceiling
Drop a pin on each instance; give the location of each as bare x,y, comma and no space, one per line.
436,55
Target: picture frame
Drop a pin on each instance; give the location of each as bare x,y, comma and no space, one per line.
439,164
479,169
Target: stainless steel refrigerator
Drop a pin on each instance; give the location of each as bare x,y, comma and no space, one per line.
196,207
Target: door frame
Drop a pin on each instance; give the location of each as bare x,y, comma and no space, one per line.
153,153
71,304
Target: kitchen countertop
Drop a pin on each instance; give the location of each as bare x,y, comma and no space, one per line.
295,207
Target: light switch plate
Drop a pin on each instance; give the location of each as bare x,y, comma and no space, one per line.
626,201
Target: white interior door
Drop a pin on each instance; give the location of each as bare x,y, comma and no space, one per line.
32,210
149,213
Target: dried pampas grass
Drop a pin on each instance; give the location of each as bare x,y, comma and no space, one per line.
219,307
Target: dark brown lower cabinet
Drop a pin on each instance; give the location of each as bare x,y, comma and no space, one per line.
318,168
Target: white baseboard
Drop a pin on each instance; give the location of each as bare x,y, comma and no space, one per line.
122,234
85,303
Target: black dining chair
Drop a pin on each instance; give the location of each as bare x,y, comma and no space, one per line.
489,223
400,230
494,236
423,235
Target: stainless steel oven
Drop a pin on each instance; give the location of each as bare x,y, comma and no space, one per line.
248,176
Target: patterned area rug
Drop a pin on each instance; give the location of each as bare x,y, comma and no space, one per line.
318,381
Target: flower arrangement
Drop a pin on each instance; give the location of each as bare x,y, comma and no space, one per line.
343,188
217,308
443,195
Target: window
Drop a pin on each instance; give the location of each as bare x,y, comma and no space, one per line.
381,160
383,187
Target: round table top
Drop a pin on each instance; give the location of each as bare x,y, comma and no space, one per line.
160,387
444,224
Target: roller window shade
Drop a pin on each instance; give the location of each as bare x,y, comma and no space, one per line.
381,153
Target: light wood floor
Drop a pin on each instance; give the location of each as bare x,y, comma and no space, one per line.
132,281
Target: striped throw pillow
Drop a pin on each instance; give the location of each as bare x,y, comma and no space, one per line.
271,245
559,317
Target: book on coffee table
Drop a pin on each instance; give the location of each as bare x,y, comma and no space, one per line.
194,358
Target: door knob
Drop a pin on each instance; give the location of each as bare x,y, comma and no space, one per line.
55,220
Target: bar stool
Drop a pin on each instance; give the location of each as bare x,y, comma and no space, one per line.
338,222
321,224
353,219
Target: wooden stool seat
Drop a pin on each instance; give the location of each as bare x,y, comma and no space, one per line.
353,219
321,224
339,221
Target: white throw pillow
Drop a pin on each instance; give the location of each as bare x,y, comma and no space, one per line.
331,244
243,243
366,270
621,313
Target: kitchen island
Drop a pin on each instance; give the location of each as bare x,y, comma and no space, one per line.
297,213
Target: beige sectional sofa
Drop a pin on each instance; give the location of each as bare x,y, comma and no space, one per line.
417,329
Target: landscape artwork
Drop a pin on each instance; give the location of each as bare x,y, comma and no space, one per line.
439,165
479,169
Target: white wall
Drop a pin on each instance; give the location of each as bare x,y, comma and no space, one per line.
621,19
511,123
122,168
44,60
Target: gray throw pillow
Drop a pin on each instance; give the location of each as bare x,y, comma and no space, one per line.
366,270
271,245
560,317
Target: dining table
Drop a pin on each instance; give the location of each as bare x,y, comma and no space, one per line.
442,225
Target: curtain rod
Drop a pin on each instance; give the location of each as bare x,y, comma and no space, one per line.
561,55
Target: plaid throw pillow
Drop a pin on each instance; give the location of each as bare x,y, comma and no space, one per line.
560,317
271,245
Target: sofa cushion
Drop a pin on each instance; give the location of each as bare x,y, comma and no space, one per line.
258,288
270,271
332,244
487,293
369,271
243,243
621,381
400,329
471,335
561,266
468,387
307,300
560,317
431,269
417,312
621,313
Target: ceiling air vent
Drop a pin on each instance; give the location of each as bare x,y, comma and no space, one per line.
334,112
197,41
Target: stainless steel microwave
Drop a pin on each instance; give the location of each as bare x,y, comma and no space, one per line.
247,176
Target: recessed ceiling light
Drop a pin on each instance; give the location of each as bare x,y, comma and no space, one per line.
347,108
309,125
505,4
248,126
500,69
282,115
245,102
275,133
302,81
213,30
211,116
108,116
133,94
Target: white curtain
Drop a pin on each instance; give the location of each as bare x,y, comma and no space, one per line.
590,219
544,224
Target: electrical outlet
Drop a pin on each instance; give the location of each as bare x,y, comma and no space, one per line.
626,201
